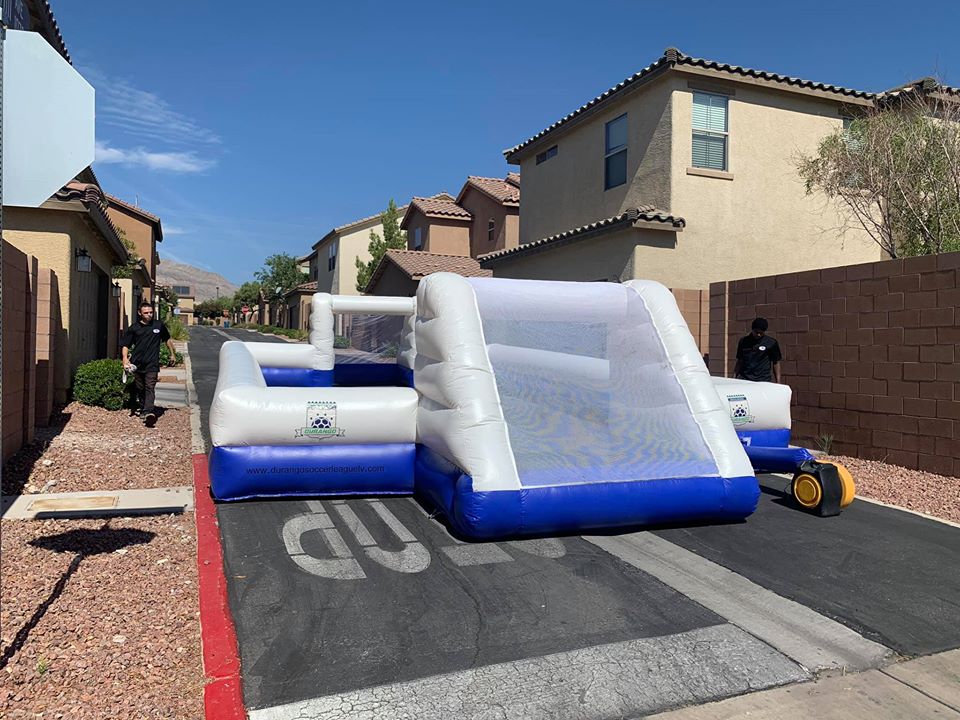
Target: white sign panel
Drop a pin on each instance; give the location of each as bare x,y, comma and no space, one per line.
48,120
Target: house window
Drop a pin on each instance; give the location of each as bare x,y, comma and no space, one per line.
332,256
615,153
491,230
710,131
546,154
417,239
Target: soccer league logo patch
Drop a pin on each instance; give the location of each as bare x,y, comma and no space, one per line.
321,422
739,409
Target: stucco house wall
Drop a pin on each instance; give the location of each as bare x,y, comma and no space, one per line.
483,208
755,218
566,191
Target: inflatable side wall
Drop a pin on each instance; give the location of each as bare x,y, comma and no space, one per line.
466,461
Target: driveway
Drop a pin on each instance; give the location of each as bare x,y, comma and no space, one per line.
370,608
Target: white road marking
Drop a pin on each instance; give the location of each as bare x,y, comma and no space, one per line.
341,567
413,558
812,640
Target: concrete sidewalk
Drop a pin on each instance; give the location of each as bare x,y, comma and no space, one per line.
928,687
97,503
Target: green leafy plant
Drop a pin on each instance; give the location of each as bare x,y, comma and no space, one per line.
100,383
393,239
165,356
825,442
341,342
390,351
43,666
176,328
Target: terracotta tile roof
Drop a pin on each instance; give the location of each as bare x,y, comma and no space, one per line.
501,190
441,205
513,178
93,200
150,217
646,213
672,58
416,264
307,287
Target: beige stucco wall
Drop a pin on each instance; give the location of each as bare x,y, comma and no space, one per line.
52,236
483,208
566,191
352,243
616,256
141,234
758,222
761,221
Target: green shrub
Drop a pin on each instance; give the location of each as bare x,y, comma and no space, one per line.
100,383
341,342
165,356
178,331
390,351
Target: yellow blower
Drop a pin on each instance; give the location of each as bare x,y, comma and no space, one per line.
822,488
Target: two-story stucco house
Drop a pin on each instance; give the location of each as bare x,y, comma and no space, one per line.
483,218
683,173
332,263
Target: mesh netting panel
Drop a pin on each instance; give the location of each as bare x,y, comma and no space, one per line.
587,392
367,338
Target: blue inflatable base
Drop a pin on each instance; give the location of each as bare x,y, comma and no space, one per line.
343,374
777,459
261,471
577,508
765,438
296,377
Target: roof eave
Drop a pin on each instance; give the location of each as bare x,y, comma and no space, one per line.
664,65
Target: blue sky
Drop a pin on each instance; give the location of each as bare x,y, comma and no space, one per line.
256,127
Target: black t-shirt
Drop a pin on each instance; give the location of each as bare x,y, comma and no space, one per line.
145,341
757,356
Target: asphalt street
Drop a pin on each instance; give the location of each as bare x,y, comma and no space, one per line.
371,603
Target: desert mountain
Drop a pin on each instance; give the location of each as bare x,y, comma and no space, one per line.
203,282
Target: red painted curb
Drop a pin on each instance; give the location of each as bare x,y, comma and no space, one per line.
222,697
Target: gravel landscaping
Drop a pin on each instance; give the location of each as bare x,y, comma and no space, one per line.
100,619
89,448
924,492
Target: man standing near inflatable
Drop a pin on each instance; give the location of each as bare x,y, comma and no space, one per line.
758,355
145,337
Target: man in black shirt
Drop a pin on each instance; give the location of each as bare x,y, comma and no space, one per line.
758,355
145,337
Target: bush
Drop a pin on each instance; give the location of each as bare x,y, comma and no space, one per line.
341,342
390,351
165,356
100,383
178,331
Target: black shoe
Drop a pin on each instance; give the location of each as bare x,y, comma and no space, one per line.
149,419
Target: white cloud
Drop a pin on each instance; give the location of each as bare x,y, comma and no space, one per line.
145,115
173,230
177,162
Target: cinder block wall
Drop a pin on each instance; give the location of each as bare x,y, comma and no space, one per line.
870,352
695,307
19,330
49,326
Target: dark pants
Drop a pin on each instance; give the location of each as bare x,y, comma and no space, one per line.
146,383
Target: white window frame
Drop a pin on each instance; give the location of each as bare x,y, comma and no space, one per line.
725,133
491,230
610,152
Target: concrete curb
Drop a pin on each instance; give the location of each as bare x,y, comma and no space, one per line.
196,437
